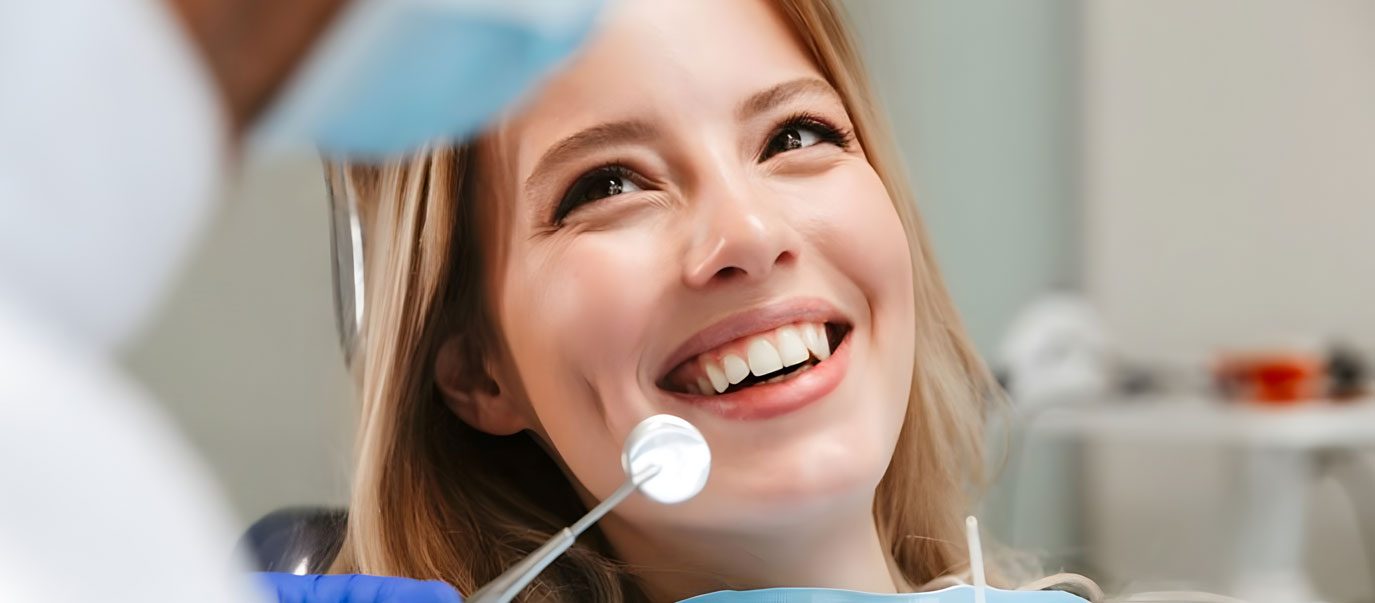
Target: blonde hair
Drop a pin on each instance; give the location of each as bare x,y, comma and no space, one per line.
436,499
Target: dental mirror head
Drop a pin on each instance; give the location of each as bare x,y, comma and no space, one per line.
676,449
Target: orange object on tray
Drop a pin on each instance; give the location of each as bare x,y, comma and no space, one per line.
1271,377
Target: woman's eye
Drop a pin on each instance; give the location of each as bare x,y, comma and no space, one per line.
801,133
596,185
791,139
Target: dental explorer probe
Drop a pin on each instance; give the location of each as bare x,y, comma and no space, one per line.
664,457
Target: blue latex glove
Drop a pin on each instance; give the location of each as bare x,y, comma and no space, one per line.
354,588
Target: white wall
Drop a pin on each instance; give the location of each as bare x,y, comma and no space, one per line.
1229,182
244,355
1230,170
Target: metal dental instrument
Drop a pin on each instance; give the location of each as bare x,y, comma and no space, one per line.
665,458
346,251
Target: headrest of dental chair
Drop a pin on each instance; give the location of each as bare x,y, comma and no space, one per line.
298,540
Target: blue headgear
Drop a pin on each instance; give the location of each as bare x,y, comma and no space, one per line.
393,75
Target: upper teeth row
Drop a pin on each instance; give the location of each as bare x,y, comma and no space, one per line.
762,354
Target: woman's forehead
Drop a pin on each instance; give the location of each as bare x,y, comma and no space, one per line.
661,63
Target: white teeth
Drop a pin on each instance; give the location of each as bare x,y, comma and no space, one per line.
767,353
717,377
790,347
816,340
736,369
764,357
809,336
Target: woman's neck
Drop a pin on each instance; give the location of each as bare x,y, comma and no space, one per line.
672,565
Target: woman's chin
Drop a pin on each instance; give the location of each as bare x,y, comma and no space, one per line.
777,487
833,454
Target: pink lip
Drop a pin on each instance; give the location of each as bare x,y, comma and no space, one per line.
768,400
749,322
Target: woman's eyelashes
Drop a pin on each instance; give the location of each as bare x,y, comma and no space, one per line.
800,132
797,132
600,183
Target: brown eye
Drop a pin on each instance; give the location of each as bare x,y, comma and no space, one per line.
602,187
800,133
789,139
596,185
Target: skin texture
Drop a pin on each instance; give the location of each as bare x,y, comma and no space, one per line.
587,312
251,47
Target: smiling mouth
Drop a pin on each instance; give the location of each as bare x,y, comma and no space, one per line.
769,357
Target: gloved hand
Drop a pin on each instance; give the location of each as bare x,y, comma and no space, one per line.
354,588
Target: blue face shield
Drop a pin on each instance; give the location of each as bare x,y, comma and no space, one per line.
393,75
954,594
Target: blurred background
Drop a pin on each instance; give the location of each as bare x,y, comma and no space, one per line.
1133,202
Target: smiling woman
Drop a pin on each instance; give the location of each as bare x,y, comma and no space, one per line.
701,216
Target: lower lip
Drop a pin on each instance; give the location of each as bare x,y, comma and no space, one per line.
768,400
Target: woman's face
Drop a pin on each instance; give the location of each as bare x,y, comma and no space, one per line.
690,227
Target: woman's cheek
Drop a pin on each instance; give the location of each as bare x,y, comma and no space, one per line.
864,240
856,228
583,314
556,317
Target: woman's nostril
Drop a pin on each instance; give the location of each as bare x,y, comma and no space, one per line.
737,259
729,273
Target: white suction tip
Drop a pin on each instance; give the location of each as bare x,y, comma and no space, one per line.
976,559
679,452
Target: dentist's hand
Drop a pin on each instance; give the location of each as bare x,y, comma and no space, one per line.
354,588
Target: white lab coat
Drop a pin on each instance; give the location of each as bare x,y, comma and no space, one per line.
99,498
110,143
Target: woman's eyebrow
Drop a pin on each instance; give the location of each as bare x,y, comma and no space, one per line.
618,132
764,100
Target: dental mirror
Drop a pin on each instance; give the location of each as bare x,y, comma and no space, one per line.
664,457
677,449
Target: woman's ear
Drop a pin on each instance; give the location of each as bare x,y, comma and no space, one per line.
471,393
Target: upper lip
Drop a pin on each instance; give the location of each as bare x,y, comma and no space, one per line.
759,319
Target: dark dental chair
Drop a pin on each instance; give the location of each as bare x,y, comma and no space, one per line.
299,540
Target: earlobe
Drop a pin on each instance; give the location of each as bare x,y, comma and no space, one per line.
471,393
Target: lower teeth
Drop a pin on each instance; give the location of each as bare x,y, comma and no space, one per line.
775,379
804,368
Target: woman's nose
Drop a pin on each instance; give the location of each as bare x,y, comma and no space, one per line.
738,236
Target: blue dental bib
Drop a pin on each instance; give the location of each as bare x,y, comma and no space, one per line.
954,594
